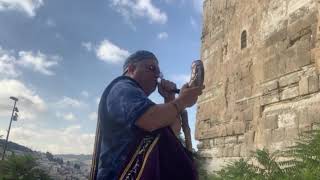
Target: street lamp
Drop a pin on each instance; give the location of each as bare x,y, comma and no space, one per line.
14,116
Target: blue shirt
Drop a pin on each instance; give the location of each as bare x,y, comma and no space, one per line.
121,105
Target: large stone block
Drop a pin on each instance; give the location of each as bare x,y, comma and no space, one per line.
219,141
222,131
248,114
220,152
275,37
224,152
315,53
230,151
314,113
303,86
270,86
289,79
292,133
284,58
231,140
212,132
240,139
278,135
266,138
300,21
297,9
313,83
249,137
243,150
270,122
305,128
289,93
303,118
238,127
274,18
271,69
229,129
212,143
236,150
302,57
287,120
206,144
270,98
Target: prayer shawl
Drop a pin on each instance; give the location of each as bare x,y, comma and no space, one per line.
158,156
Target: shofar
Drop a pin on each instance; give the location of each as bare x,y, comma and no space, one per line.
197,78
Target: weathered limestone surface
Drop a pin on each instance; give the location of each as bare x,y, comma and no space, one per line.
265,94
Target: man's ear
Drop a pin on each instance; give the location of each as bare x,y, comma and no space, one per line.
131,68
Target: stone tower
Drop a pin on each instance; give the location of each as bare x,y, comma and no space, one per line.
262,64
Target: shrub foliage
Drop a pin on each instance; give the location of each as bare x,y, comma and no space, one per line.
299,162
22,167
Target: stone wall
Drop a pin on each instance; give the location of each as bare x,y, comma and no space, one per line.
265,94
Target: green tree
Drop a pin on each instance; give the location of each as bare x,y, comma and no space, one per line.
304,157
76,166
49,156
21,167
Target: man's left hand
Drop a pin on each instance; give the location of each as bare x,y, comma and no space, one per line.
166,89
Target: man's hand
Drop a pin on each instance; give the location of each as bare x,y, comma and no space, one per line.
188,96
165,89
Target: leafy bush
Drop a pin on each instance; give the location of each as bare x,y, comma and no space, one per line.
299,162
21,167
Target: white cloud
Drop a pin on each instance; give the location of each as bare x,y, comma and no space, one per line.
87,45
85,94
69,140
163,35
139,8
27,6
93,116
111,53
7,64
38,62
66,116
69,102
30,104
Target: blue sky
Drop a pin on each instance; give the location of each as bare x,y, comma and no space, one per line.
57,57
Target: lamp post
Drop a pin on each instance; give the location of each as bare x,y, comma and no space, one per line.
14,116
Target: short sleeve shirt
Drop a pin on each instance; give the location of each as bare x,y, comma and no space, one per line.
121,105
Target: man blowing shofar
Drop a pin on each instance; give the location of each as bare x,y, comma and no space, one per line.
136,138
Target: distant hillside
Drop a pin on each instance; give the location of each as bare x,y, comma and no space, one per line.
63,166
14,146
82,158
